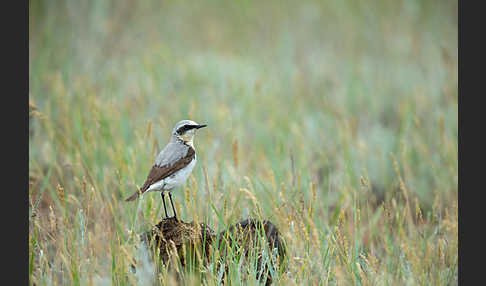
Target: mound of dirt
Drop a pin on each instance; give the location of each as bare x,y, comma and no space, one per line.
195,241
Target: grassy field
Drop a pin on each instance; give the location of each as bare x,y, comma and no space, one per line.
335,120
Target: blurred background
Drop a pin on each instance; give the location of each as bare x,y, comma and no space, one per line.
332,102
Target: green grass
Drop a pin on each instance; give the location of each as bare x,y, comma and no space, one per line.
337,121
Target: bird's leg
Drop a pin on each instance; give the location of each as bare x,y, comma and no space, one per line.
163,199
173,209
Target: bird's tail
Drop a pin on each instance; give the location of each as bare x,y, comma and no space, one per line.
133,197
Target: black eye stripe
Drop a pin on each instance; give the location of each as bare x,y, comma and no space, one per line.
185,128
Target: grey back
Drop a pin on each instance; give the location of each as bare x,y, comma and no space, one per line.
174,151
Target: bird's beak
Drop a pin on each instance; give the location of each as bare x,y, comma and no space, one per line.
201,126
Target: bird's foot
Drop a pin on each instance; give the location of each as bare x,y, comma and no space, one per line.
172,217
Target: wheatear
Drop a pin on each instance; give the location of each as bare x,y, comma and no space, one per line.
174,164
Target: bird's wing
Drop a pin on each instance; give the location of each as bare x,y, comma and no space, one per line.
159,172
170,160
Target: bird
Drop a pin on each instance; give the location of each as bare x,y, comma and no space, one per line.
173,164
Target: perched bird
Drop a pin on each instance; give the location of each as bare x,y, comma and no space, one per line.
174,163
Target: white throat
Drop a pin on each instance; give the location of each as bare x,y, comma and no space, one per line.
189,140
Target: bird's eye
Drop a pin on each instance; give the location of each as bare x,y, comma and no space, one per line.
184,129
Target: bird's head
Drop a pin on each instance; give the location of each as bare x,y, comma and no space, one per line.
184,130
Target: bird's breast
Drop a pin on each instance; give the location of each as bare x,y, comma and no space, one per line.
179,177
